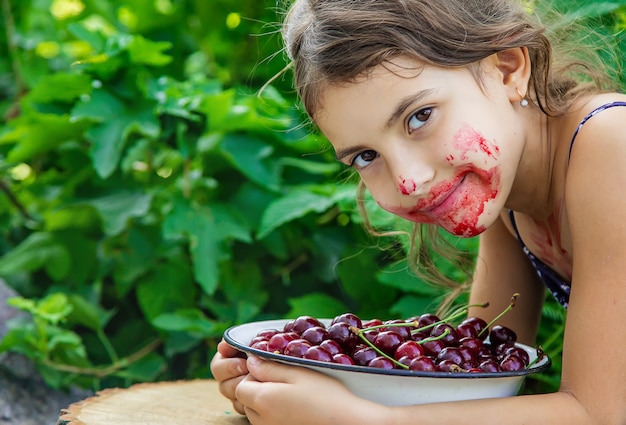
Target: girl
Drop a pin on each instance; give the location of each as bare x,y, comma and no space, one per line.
454,115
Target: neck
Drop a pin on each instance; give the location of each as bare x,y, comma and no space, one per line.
533,191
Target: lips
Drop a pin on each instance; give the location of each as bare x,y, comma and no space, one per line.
442,198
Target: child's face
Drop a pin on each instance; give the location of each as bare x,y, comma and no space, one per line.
428,143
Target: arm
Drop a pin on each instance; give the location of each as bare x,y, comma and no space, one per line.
593,390
502,269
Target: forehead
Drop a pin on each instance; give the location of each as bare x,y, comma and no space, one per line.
371,98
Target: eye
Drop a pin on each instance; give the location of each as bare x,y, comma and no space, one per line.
418,119
364,159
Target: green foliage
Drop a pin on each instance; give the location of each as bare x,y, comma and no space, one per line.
151,198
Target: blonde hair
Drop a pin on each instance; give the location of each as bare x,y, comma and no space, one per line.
333,42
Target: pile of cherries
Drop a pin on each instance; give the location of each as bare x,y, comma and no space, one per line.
422,343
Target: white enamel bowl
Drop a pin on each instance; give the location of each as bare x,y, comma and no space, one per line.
397,387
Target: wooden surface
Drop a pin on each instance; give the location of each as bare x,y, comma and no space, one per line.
195,402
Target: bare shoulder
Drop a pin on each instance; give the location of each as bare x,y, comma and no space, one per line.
595,173
601,139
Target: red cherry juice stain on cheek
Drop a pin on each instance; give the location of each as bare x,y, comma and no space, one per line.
467,141
461,212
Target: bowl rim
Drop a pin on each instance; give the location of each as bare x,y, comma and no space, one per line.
540,366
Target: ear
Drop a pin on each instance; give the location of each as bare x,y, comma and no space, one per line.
514,65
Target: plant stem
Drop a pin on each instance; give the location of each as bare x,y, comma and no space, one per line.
101,372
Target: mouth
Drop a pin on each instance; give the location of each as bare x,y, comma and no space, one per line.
442,200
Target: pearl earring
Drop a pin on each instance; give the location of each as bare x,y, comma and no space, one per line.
524,102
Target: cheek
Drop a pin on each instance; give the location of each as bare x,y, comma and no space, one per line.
469,143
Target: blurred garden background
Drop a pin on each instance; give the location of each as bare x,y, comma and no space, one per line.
151,195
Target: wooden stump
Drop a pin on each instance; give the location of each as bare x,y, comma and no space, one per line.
197,402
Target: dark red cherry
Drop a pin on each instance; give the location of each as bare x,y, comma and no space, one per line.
447,366
404,331
372,322
519,352
452,354
268,333
303,323
349,318
489,366
410,349
342,358
319,354
315,334
433,347
297,348
363,356
424,363
278,342
451,339
427,319
466,331
476,322
341,333
261,345
500,334
331,346
512,363
381,362
388,341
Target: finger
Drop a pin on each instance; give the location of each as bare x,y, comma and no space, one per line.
239,407
227,368
227,350
270,371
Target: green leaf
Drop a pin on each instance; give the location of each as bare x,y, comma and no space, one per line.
317,305
312,167
88,314
398,275
168,288
146,369
144,51
36,133
251,157
410,305
62,87
117,208
37,251
81,32
53,308
116,122
189,320
207,228
298,203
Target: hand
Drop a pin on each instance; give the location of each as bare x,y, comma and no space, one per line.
229,370
277,394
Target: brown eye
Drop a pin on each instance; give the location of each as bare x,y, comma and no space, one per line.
364,158
418,119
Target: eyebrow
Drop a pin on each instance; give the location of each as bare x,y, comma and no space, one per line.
402,106
406,103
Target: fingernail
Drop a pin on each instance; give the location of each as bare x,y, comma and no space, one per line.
254,360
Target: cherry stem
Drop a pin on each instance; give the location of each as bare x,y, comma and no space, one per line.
434,338
499,316
454,315
540,356
359,333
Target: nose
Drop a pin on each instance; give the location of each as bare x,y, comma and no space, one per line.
411,177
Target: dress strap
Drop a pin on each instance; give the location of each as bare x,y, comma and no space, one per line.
589,115
512,218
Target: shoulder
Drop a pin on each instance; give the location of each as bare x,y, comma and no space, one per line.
594,116
595,177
